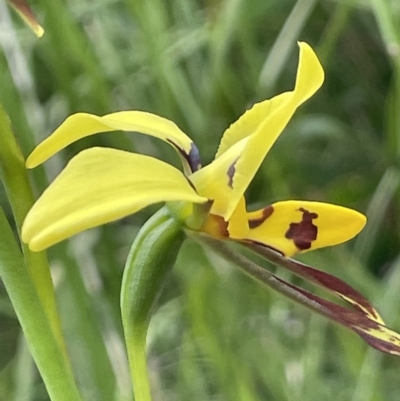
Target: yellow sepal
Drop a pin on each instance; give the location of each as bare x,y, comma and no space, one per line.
278,111
248,122
236,227
215,181
100,185
81,125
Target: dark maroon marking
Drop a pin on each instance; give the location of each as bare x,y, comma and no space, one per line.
305,232
334,284
379,344
192,158
266,212
231,173
222,224
325,280
356,320
254,244
191,184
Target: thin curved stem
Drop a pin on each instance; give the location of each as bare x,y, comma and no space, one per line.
136,345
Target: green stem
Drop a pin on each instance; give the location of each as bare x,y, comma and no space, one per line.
44,346
152,256
138,365
16,183
27,277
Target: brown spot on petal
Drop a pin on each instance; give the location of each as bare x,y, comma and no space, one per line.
305,232
265,213
231,172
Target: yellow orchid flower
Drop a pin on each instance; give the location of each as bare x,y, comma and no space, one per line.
100,185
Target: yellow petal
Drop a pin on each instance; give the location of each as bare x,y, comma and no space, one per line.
248,122
236,227
309,78
100,185
215,181
292,227
81,125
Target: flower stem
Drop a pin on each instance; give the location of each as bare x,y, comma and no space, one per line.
151,257
136,345
27,278
51,361
16,183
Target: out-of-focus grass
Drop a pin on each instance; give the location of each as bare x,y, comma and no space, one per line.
217,335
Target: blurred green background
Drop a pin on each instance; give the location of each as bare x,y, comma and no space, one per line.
217,335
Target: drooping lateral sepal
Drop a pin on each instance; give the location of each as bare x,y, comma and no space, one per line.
369,327
331,283
375,333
